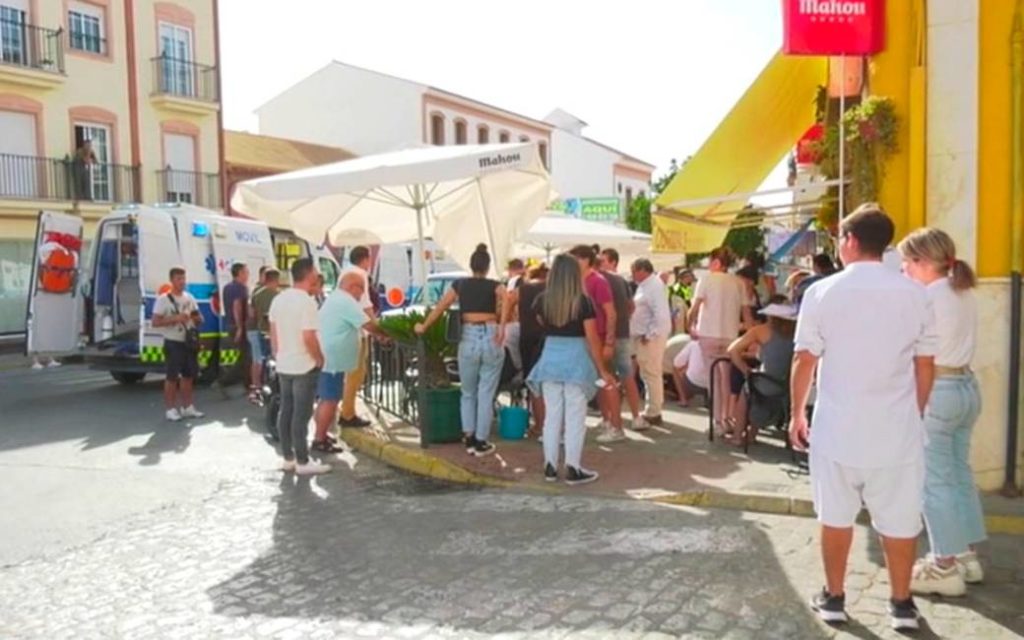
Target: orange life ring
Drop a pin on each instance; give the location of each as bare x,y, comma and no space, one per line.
58,270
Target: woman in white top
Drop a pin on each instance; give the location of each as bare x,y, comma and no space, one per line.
952,509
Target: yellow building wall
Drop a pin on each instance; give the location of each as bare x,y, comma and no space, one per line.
994,143
151,115
89,82
101,83
889,76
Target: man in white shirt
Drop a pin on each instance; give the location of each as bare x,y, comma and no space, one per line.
294,339
720,302
650,328
359,258
870,333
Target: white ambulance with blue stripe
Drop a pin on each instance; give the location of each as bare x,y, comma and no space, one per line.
106,315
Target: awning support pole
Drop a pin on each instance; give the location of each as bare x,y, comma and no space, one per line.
842,137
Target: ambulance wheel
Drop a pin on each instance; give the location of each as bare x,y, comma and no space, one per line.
127,377
207,376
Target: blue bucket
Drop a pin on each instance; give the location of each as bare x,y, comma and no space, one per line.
512,422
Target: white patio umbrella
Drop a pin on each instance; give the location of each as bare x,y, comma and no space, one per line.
556,231
460,196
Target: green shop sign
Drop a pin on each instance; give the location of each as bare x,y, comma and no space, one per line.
595,209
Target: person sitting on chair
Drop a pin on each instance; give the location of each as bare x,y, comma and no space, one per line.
774,340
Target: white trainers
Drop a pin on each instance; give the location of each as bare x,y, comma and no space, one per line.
640,424
287,465
970,567
38,366
191,412
930,578
611,434
312,469
53,364
173,415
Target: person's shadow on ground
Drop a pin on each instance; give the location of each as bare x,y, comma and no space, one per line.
167,438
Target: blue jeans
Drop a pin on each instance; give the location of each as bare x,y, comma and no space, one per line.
952,509
480,362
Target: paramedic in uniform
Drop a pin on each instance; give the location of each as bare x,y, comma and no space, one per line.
173,312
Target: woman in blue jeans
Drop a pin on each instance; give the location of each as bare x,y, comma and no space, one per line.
569,370
481,351
952,509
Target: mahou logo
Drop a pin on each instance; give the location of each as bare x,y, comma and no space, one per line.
832,8
833,27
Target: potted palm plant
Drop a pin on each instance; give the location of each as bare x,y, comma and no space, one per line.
440,418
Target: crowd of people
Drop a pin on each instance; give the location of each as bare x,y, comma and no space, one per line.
886,350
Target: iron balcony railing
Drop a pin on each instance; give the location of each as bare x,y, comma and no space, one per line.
34,178
26,45
185,79
192,187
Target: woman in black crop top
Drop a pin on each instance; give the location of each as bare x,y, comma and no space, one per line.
569,368
481,354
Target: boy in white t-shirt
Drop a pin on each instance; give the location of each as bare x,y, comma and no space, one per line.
690,373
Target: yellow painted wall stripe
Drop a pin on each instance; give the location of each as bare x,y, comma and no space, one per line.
994,144
889,76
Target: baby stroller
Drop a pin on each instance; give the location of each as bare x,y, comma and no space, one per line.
270,398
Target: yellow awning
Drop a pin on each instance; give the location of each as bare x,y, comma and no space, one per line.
753,138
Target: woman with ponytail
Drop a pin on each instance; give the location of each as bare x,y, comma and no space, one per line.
481,350
952,509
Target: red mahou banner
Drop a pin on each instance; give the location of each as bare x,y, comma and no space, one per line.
833,27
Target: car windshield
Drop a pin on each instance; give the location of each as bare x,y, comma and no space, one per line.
435,289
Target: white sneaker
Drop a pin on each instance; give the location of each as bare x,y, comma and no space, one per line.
173,415
53,364
970,567
191,412
312,469
287,465
38,366
611,434
930,578
641,424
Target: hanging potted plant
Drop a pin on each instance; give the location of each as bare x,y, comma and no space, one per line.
870,129
439,398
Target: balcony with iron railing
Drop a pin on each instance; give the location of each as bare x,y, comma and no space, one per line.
192,187
31,55
184,85
35,178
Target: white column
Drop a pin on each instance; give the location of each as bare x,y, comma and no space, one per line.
952,179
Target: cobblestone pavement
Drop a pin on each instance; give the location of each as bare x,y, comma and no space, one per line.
368,552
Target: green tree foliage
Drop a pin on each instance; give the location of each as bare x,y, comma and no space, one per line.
638,216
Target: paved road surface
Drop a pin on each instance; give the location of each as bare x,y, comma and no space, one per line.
118,525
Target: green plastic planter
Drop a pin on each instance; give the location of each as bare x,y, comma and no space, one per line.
441,416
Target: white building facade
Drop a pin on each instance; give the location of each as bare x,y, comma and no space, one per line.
369,112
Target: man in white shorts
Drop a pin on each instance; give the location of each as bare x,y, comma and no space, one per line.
870,332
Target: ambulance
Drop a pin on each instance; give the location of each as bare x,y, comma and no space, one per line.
102,307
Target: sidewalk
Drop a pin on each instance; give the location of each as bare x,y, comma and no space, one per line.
674,464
